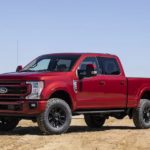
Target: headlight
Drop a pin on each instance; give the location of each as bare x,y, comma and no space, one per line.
36,89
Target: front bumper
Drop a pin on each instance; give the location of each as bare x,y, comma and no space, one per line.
22,108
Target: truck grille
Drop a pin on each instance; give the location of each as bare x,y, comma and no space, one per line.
15,90
3,82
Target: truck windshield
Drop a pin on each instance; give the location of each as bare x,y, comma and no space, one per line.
52,63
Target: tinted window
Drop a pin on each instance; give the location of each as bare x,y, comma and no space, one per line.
109,66
88,60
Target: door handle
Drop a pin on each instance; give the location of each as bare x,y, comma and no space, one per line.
102,82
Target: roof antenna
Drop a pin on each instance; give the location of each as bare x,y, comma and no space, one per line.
17,53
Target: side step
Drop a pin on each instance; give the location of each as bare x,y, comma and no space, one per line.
98,112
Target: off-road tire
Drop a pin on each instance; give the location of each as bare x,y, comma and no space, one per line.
141,115
94,121
8,123
50,122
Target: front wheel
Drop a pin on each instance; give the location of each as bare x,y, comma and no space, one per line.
8,123
94,121
141,115
56,118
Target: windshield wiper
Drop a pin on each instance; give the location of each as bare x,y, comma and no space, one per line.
45,70
28,71
35,70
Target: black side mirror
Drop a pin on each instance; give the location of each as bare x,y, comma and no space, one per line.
19,68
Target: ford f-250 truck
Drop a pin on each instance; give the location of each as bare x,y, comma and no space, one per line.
54,87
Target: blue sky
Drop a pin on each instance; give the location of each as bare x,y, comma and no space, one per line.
103,26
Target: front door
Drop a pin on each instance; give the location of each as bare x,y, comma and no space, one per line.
88,93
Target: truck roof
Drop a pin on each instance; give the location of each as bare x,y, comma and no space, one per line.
86,54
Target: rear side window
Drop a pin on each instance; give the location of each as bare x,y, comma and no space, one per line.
109,66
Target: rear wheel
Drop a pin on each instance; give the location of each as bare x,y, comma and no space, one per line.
8,123
141,115
94,121
56,118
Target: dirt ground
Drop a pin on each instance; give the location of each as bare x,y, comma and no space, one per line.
116,134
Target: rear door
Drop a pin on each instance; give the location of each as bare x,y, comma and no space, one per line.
112,85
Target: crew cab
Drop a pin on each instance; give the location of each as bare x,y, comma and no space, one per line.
54,87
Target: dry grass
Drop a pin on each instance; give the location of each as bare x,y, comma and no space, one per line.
115,135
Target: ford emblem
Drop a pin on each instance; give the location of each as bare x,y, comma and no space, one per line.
3,90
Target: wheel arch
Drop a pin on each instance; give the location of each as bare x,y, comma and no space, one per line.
145,94
63,94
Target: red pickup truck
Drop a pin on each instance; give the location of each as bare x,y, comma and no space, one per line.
54,87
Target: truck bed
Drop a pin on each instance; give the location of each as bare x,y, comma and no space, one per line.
136,89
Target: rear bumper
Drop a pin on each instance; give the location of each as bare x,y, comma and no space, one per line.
22,108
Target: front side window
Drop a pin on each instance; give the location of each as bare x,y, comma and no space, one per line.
88,61
52,63
109,66
88,68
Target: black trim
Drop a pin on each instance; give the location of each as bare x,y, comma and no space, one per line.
98,111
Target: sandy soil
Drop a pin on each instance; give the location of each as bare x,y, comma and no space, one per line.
116,134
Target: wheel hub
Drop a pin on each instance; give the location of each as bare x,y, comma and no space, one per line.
57,117
146,114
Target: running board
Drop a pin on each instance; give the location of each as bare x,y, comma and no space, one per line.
98,112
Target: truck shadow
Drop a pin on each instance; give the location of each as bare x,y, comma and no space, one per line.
73,129
81,129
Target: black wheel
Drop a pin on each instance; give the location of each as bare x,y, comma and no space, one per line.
141,115
8,123
94,121
56,118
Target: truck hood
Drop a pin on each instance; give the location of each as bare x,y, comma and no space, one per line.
31,75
